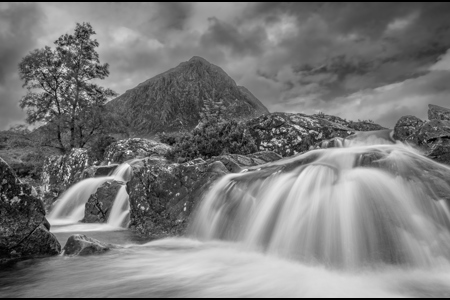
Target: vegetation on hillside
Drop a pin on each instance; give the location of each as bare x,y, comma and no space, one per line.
209,139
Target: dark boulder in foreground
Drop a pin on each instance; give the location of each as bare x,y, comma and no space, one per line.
81,245
163,195
24,230
406,127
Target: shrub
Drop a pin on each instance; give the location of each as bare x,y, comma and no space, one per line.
98,147
212,138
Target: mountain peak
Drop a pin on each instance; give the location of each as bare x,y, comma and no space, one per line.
183,96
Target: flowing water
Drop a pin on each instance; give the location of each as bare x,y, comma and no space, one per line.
369,219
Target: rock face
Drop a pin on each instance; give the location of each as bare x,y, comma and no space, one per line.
438,113
81,245
163,195
124,150
181,97
433,136
406,127
288,134
60,172
24,230
99,205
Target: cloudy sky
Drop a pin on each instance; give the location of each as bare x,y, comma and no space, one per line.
376,61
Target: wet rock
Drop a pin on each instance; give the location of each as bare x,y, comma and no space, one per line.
288,134
406,127
81,245
438,113
235,163
124,150
23,227
60,172
100,203
163,195
98,171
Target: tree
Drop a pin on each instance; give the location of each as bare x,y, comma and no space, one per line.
60,89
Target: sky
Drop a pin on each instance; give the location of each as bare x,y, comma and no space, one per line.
376,61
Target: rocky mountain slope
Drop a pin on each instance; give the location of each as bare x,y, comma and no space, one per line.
182,97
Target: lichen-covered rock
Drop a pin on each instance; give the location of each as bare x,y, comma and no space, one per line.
434,138
288,134
24,230
60,172
124,150
236,163
438,113
163,195
406,127
100,203
81,245
357,126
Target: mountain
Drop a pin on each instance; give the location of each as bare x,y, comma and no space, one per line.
182,97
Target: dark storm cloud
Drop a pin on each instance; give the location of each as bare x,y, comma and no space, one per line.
245,42
19,30
173,15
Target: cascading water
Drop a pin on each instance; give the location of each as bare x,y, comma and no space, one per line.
367,204
70,207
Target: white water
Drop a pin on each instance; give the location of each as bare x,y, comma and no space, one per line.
69,209
325,208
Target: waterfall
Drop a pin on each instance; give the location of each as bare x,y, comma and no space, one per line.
70,207
372,202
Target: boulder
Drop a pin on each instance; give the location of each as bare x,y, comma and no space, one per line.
98,171
357,126
125,150
438,113
288,134
406,128
101,202
24,230
81,245
61,172
163,195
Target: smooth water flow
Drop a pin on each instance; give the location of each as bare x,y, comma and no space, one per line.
367,204
70,207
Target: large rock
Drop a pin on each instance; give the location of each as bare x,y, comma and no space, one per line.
81,245
406,128
98,171
163,195
357,126
61,172
438,113
434,138
288,134
124,150
100,203
24,230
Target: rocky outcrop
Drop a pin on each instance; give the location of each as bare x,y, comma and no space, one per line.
98,171
81,245
357,126
124,150
100,203
182,97
406,127
163,195
432,136
24,230
287,134
438,113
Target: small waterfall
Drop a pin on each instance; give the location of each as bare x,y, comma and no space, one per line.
120,212
369,203
70,207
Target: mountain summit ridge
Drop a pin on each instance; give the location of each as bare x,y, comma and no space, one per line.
183,96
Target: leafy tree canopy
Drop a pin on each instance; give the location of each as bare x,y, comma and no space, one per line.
61,92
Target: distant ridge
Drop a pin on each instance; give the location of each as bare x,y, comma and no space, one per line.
182,97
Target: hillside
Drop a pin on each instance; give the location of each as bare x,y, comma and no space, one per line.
182,97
